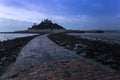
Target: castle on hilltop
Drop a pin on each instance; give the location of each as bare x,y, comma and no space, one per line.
45,25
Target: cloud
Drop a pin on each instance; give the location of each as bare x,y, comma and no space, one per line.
71,14
19,14
35,16
13,25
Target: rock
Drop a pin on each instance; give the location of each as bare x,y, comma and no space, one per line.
68,47
58,42
62,44
76,45
115,66
75,48
1,67
80,50
83,54
3,58
66,75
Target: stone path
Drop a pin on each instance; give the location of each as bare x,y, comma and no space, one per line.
42,59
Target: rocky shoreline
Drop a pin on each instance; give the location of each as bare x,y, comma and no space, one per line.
102,52
42,59
9,50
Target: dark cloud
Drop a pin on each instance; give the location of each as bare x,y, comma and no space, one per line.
103,14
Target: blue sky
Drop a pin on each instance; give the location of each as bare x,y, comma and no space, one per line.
72,14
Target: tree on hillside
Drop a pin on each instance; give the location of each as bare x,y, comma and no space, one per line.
47,24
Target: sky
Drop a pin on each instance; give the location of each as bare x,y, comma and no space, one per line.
71,14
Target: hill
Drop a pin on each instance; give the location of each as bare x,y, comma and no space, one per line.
47,24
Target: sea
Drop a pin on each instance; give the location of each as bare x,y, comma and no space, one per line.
9,36
110,36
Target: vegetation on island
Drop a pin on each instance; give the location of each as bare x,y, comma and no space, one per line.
47,24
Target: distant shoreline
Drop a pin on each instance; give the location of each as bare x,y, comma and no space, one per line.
19,32
77,31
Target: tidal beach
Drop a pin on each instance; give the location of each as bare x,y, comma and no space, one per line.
51,54
100,47
59,39
10,46
41,58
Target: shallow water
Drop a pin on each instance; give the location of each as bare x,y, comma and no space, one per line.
114,37
13,36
